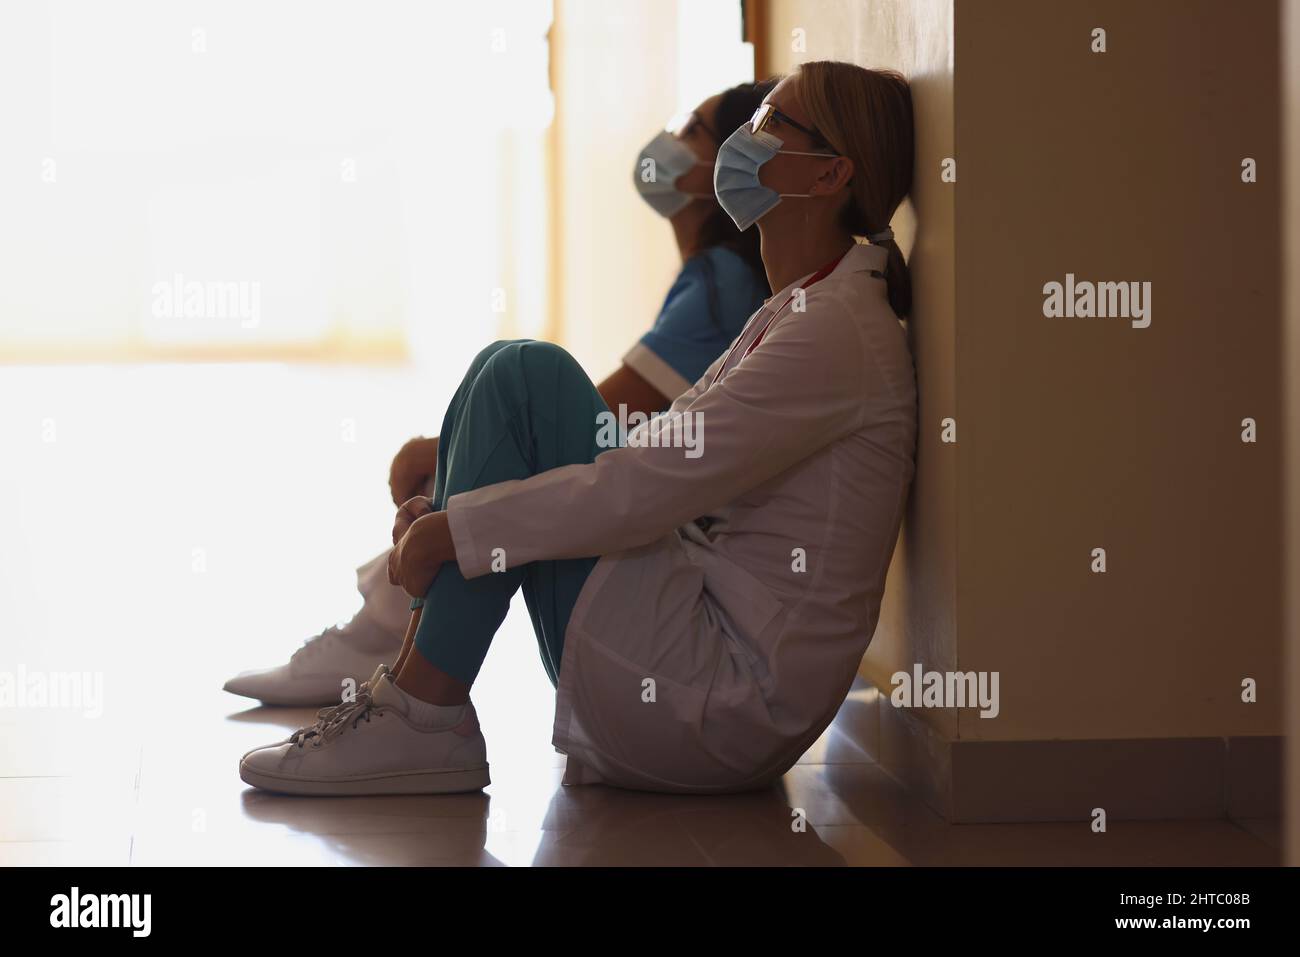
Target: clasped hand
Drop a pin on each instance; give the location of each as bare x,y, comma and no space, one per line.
421,543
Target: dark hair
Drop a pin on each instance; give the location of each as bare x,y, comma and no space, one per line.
735,107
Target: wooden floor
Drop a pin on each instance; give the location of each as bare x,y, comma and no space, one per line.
188,522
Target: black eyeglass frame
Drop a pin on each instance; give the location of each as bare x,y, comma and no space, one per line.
763,116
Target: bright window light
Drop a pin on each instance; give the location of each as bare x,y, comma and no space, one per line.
711,54
248,176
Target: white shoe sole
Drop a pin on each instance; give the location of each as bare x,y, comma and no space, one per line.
276,690
287,697
451,781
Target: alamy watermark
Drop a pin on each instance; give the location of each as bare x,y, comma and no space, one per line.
676,430
191,299
76,909
72,690
1084,299
946,689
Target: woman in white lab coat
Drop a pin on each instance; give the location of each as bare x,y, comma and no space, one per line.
707,588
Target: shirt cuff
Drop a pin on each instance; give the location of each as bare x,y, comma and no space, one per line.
471,561
646,363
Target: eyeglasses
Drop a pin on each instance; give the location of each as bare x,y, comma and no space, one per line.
766,113
688,124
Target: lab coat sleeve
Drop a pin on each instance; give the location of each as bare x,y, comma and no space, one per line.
803,387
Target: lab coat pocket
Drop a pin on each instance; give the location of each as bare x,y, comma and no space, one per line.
746,608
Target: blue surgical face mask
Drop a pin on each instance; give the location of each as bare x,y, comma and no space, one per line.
663,160
735,175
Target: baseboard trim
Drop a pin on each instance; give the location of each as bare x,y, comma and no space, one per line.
986,782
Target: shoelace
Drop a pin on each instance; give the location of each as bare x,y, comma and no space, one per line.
332,717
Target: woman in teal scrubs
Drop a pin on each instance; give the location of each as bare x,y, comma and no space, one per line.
721,283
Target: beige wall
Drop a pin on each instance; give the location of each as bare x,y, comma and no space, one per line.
917,620
1076,434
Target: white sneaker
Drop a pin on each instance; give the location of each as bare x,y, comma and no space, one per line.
325,715
368,746
314,674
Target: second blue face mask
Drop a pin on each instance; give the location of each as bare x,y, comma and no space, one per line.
663,160
735,175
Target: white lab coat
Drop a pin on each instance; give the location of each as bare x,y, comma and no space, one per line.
710,658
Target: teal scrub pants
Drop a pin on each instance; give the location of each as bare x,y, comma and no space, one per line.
523,407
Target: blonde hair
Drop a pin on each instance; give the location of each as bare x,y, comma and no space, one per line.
866,115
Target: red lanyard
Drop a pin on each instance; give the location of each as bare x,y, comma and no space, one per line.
816,277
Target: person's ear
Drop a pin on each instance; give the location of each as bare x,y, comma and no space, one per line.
836,175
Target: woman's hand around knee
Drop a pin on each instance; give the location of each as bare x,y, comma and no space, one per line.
416,557
412,465
408,511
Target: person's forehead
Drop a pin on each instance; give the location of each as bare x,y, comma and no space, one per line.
785,97
709,108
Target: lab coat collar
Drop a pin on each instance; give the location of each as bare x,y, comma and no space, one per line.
861,257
